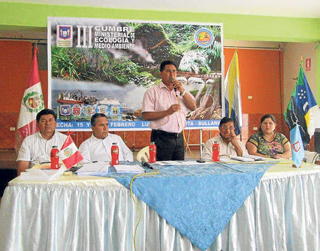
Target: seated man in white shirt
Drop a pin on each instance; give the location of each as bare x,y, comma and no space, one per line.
36,147
227,140
98,146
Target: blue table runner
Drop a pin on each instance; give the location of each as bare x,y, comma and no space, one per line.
197,200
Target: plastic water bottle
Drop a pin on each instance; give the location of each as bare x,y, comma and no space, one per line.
114,154
215,151
152,152
54,158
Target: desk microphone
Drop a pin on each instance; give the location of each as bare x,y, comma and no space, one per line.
146,164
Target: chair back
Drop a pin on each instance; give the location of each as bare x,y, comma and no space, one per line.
143,154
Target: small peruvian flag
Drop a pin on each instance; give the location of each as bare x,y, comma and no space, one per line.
69,153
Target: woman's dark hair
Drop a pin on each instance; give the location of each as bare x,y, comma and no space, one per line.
266,116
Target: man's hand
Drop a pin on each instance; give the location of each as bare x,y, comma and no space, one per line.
233,138
161,114
234,141
174,108
188,101
177,85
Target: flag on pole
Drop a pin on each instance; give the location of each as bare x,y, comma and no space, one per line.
69,153
303,109
297,149
232,93
32,102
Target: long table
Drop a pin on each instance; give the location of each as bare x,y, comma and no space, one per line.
95,213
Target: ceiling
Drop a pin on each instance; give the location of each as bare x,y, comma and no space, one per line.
284,8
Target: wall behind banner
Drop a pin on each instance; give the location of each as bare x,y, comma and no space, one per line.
261,79
18,20
15,64
259,76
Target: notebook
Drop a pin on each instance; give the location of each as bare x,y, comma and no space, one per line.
129,169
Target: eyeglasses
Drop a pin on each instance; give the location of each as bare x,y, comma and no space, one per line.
224,127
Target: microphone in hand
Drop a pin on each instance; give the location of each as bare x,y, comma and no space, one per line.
175,89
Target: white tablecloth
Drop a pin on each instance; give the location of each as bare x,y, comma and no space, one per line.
92,213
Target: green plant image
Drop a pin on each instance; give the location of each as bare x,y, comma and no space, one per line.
159,41
96,66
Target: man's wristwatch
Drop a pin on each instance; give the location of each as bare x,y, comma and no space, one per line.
182,94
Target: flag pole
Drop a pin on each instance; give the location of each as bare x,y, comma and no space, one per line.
236,50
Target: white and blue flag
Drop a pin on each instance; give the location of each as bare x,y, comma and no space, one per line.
303,109
296,146
232,93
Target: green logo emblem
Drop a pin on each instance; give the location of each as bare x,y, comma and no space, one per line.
33,101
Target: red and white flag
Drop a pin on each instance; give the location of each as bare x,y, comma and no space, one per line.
32,102
69,153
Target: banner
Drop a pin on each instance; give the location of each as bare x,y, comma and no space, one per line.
101,65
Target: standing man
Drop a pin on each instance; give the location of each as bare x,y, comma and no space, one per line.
166,106
227,140
36,147
98,146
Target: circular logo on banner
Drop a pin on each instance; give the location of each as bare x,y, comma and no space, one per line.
33,101
204,37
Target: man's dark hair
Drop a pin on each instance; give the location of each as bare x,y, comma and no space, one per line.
167,62
225,120
95,117
46,112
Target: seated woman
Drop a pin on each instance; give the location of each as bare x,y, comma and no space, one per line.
267,142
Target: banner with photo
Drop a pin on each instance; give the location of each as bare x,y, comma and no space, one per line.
102,65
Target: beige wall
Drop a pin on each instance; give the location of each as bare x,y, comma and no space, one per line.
292,56
293,52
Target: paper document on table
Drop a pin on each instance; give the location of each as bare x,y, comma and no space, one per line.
90,168
42,175
242,158
129,169
170,162
255,157
180,162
